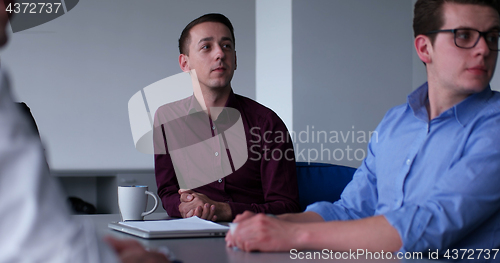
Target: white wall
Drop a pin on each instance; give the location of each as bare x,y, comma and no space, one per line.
78,72
344,63
274,57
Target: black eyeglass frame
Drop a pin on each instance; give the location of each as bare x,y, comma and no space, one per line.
454,31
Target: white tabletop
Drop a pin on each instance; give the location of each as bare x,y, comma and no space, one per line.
207,249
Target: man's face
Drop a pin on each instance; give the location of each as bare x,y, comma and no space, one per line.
211,55
459,71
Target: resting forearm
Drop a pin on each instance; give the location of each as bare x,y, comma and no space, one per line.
306,217
374,234
171,205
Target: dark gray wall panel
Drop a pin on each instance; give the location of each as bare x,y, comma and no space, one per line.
352,61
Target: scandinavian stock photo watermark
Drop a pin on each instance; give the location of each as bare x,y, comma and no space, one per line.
328,149
355,254
27,14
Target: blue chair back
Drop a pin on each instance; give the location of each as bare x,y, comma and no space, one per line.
321,182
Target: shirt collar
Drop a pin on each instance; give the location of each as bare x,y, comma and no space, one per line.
464,111
194,105
225,115
231,101
469,108
417,100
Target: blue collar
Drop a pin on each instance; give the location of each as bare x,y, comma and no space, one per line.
463,111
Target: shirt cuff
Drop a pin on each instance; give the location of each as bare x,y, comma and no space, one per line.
171,206
410,222
326,210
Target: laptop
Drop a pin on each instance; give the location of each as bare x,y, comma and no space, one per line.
173,228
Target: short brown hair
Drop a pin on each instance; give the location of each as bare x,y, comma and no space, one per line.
428,14
213,17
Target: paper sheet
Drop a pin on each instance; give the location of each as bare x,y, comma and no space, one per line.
184,224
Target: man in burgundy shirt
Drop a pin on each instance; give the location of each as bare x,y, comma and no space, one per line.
259,177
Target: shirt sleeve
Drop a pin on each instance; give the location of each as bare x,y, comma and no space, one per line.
461,200
277,171
359,198
168,186
166,179
34,220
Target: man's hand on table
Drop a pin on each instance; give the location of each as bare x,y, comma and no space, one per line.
131,251
196,204
259,232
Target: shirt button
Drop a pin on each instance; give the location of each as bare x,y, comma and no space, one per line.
213,127
220,180
216,153
408,162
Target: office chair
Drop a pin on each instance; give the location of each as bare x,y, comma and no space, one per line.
321,182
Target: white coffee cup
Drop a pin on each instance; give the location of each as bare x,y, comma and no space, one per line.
133,200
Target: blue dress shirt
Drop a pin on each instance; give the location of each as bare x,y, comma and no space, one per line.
437,182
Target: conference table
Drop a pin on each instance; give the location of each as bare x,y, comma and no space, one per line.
210,249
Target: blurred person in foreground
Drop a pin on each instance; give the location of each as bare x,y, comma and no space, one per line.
35,223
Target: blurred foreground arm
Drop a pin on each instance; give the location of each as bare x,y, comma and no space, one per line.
264,233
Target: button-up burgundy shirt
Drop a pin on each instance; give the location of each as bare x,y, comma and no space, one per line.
265,183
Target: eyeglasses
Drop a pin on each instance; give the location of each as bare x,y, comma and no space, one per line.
468,37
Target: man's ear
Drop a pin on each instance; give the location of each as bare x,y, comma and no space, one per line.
423,47
183,63
235,64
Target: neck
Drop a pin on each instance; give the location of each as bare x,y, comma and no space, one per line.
215,97
215,100
212,100
441,99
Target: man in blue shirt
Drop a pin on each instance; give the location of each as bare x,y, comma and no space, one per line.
430,181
